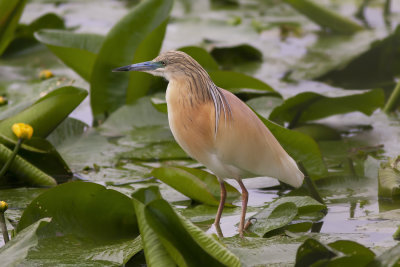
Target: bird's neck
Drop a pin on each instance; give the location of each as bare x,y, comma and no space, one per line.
191,90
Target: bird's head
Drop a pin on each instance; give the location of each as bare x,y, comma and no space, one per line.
169,65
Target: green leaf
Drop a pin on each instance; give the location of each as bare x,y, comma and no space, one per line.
312,251
234,81
273,218
229,80
389,179
108,89
15,251
390,257
122,121
300,147
333,52
24,34
10,12
312,106
155,253
84,215
375,66
304,204
85,210
156,151
49,162
325,17
46,113
238,54
281,212
196,184
319,132
359,253
149,48
187,244
201,56
24,170
77,50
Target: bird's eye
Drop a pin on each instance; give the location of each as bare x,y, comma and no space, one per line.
163,63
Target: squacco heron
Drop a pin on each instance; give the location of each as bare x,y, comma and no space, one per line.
216,128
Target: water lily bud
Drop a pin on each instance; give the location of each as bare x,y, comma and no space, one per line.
45,74
3,206
22,130
3,100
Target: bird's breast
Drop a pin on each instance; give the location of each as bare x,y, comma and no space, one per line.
191,122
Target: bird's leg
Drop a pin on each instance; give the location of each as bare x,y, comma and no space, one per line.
220,206
245,198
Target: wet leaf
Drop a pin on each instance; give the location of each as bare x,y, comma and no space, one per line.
77,50
273,218
187,244
280,213
10,12
196,184
128,117
312,106
108,89
156,151
14,252
304,204
80,214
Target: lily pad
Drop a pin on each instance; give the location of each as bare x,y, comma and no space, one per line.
273,218
80,212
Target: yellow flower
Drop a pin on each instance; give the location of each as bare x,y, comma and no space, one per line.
22,130
45,74
3,206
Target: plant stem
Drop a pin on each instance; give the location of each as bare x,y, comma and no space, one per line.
393,99
3,227
386,10
11,158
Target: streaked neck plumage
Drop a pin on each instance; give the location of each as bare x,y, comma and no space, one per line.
196,87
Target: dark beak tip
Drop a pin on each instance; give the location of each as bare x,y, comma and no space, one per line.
121,69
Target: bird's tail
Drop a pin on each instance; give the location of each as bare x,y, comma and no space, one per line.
290,173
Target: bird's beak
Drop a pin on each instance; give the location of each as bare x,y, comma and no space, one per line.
144,66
